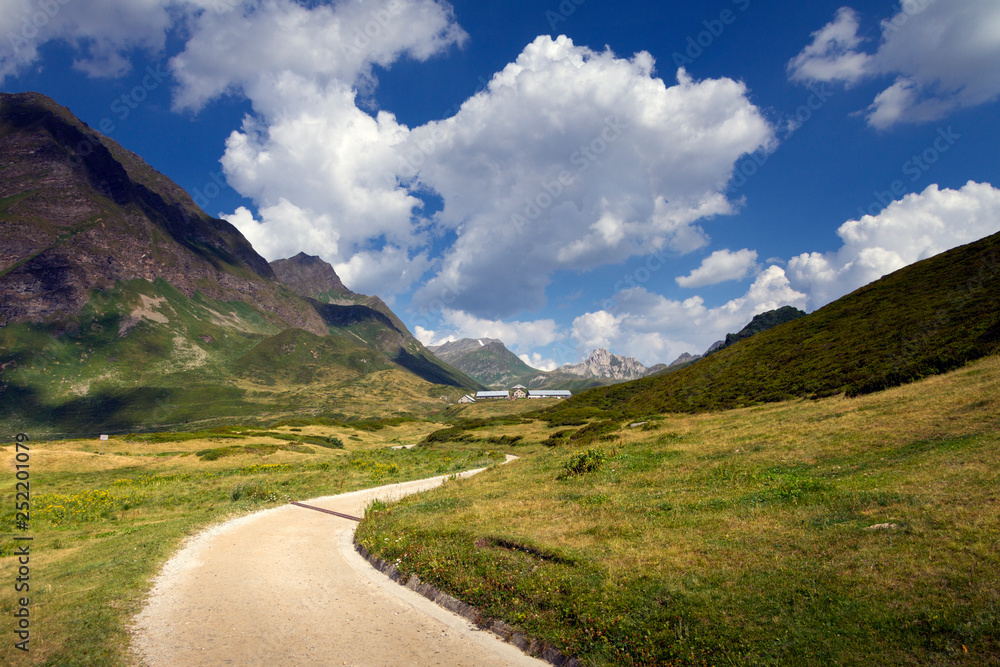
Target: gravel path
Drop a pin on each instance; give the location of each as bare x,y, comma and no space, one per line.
286,587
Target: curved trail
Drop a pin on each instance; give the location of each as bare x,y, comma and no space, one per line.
286,587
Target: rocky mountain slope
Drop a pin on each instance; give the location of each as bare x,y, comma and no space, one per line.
602,364
123,305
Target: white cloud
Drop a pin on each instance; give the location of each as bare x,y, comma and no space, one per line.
431,338
942,54
391,270
655,329
536,360
233,51
720,266
516,335
915,228
328,161
597,330
572,159
102,32
832,55
322,171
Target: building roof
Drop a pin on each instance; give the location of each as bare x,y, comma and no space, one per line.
551,392
491,394
518,386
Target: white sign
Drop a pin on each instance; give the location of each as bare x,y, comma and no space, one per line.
104,437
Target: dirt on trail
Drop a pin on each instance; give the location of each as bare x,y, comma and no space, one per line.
286,587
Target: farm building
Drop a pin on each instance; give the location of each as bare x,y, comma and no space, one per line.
519,391
467,399
480,395
549,393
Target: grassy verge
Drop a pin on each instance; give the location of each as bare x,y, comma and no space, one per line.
102,525
837,531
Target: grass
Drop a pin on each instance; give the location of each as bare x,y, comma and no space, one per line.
104,524
833,531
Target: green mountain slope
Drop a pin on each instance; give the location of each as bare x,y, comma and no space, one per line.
488,360
924,319
123,306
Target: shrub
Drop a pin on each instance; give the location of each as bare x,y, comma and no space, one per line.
583,462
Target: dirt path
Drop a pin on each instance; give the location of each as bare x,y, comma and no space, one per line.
285,587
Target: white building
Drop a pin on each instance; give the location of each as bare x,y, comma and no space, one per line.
480,395
549,393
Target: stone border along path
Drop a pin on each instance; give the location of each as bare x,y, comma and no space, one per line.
285,586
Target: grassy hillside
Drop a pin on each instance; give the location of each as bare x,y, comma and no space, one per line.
836,531
142,355
927,318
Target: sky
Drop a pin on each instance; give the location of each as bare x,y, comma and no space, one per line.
562,175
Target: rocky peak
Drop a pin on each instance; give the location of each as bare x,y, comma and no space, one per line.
308,275
605,364
684,358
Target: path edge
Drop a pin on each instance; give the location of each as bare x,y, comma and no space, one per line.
528,645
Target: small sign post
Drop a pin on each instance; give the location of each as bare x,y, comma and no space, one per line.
104,439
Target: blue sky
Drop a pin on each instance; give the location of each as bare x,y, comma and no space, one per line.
562,174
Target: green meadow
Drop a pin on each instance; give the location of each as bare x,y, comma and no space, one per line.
811,532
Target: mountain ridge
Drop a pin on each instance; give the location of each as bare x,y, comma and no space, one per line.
122,303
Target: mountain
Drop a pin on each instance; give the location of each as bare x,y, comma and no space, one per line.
685,358
486,359
123,305
927,318
490,362
602,364
759,323
310,276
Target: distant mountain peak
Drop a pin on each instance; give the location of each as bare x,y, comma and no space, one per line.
603,363
486,359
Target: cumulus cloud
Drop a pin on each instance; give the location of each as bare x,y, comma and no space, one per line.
720,266
321,170
571,159
102,32
232,50
941,53
655,329
909,230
